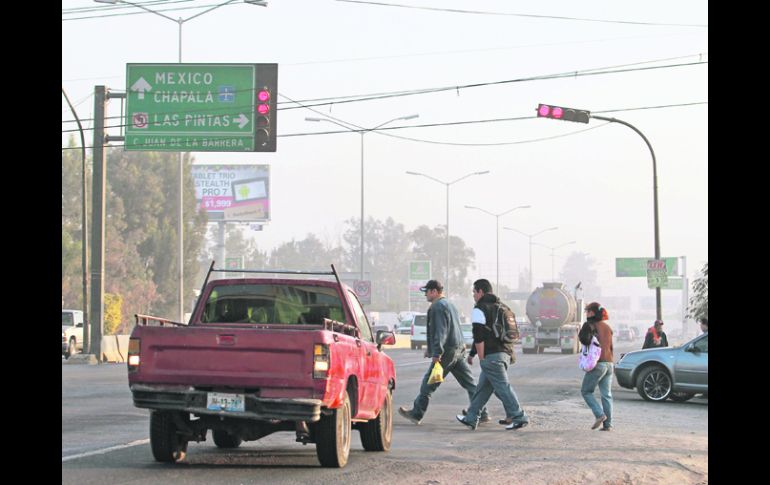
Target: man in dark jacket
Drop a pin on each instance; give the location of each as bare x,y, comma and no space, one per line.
494,359
655,337
445,345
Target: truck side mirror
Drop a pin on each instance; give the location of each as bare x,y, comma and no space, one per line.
386,338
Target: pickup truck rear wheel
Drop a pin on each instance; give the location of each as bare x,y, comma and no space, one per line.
167,445
376,434
333,436
223,439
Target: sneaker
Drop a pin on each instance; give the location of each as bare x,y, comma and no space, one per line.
462,419
517,424
606,428
599,421
484,418
407,413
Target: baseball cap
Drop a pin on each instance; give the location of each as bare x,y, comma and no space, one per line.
432,285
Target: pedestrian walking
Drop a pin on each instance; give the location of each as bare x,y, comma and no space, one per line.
494,358
445,345
655,337
601,375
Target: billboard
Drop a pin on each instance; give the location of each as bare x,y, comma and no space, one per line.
419,274
234,193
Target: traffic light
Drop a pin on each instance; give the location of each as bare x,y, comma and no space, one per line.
566,114
266,113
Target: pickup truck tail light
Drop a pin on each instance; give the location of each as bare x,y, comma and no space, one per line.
320,361
133,354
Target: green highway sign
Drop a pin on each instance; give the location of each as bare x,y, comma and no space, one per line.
638,266
200,107
673,284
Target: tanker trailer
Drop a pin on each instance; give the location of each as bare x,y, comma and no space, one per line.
555,318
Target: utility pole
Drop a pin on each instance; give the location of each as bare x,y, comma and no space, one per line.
95,325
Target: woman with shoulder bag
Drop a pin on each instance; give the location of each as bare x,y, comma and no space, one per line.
601,374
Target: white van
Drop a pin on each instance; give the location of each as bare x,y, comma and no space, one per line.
419,330
71,332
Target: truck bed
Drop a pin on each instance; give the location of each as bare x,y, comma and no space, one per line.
275,360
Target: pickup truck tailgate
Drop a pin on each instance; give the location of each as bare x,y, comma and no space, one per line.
206,356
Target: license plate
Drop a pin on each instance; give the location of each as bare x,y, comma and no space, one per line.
216,401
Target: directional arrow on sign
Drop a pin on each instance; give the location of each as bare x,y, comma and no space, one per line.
140,86
242,120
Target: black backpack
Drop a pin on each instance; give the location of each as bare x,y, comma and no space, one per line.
504,327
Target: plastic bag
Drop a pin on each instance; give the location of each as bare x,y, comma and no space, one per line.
436,374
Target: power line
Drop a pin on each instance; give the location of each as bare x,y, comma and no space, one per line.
393,94
455,123
487,49
145,12
118,6
555,17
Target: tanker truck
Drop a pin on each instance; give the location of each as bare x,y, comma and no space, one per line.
554,315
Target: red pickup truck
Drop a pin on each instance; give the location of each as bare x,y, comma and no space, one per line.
261,355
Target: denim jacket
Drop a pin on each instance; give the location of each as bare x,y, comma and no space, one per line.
444,332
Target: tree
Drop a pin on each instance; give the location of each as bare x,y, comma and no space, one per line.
141,247
72,220
113,307
308,254
431,244
579,269
699,302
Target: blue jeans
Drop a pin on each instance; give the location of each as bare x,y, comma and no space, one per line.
453,361
494,378
601,376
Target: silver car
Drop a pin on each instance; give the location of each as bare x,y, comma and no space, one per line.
676,373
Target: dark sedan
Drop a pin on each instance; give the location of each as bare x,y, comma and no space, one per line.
676,373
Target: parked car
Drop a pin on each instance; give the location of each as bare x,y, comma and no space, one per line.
467,329
71,332
676,373
419,330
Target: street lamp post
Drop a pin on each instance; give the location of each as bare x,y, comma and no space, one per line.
363,131
497,236
530,236
446,280
658,309
180,225
553,250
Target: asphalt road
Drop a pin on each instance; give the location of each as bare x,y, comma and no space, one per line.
105,438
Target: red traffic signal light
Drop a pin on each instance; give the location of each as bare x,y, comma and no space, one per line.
566,114
266,112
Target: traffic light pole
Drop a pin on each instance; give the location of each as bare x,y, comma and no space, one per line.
658,311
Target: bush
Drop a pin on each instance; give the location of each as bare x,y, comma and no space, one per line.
113,305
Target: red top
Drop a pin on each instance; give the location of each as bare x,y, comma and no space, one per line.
605,340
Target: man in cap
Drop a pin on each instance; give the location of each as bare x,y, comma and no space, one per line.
445,345
655,337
